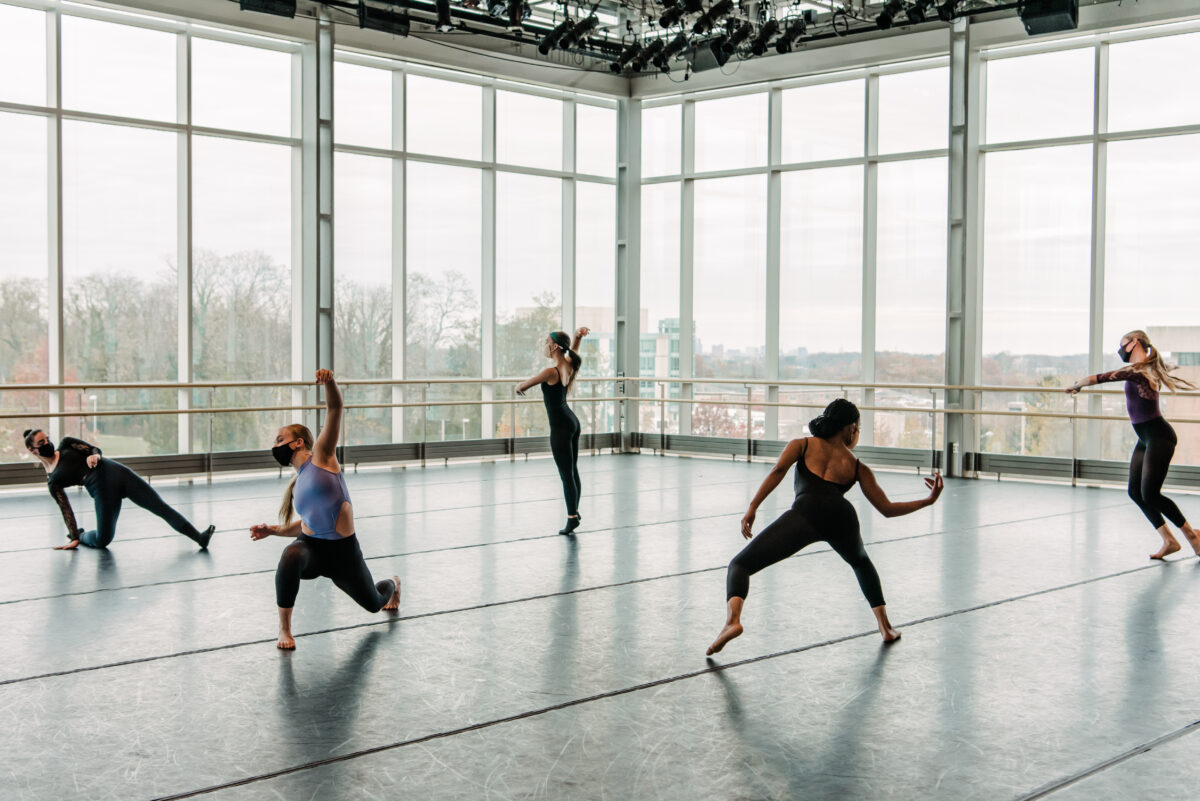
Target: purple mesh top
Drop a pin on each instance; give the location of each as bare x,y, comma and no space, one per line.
1141,398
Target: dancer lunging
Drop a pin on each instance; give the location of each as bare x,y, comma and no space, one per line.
556,381
109,482
825,471
326,544
1146,374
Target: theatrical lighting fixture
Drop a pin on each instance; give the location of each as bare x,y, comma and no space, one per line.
579,32
628,54
693,6
708,21
671,16
677,46
379,19
890,9
1049,16
737,37
551,40
280,8
759,45
916,12
791,33
444,23
947,10
648,53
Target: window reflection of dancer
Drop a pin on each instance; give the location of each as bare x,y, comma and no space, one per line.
1146,374
825,471
109,483
326,543
564,425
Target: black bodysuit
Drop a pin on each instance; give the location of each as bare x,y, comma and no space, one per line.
564,442
820,512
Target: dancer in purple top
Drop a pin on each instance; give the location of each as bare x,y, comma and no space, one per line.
1145,375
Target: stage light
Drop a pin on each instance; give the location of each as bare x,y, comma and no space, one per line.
551,40
378,19
628,54
579,32
677,46
671,16
948,10
737,37
649,52
890,9
769,29
791,33
709,20
916,12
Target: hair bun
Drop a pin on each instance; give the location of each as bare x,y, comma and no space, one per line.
837,415
28,431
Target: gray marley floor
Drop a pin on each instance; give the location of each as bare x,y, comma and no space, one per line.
1043,654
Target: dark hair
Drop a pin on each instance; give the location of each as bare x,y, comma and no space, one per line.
29,434
561,339
837,415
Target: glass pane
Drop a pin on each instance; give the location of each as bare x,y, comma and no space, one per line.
729,295
445,118
659,314
241,88
661,140
914,111
731,133
1040,96
445,247
23,268
118,69
1151,282
820,275
529,130
363,266
596,274
362,105
1142,91
1037,257
824,121
596,140
22,55
910,274
528,270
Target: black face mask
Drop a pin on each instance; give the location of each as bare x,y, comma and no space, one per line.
1125,354
283,454
46,450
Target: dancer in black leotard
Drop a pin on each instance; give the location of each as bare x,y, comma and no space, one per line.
825,471
326,543
564,425
1146,374
109,482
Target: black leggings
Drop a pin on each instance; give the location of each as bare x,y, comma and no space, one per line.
1148,471
340,560
564,444
795,530
109,484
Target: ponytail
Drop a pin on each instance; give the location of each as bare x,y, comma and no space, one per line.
563,341
1155,367
287,508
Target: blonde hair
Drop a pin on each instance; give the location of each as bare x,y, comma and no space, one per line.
286,508
1154,366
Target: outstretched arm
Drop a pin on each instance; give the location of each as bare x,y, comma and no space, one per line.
1099,378
791,453
887,508
579,335
540,378
260,531
325,450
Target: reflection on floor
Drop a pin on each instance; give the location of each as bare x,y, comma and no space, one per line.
1042,651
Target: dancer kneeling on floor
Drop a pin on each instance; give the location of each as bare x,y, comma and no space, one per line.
109,482
825,471
325,544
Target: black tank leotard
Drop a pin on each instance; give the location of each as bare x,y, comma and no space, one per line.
564,442
820,512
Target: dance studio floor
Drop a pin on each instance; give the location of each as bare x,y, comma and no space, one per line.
1043,656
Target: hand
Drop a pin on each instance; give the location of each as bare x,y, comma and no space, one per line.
748,524
70,546
93,460
260,531
935,486
1074,390
520,392
583,331
324,376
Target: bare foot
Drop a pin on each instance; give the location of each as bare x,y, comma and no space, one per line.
394,604
1169,547
70,546
728,633
890,634
286,642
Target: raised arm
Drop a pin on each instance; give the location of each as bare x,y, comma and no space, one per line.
325,449
579,335
887,508
79,445
542,377
791,453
